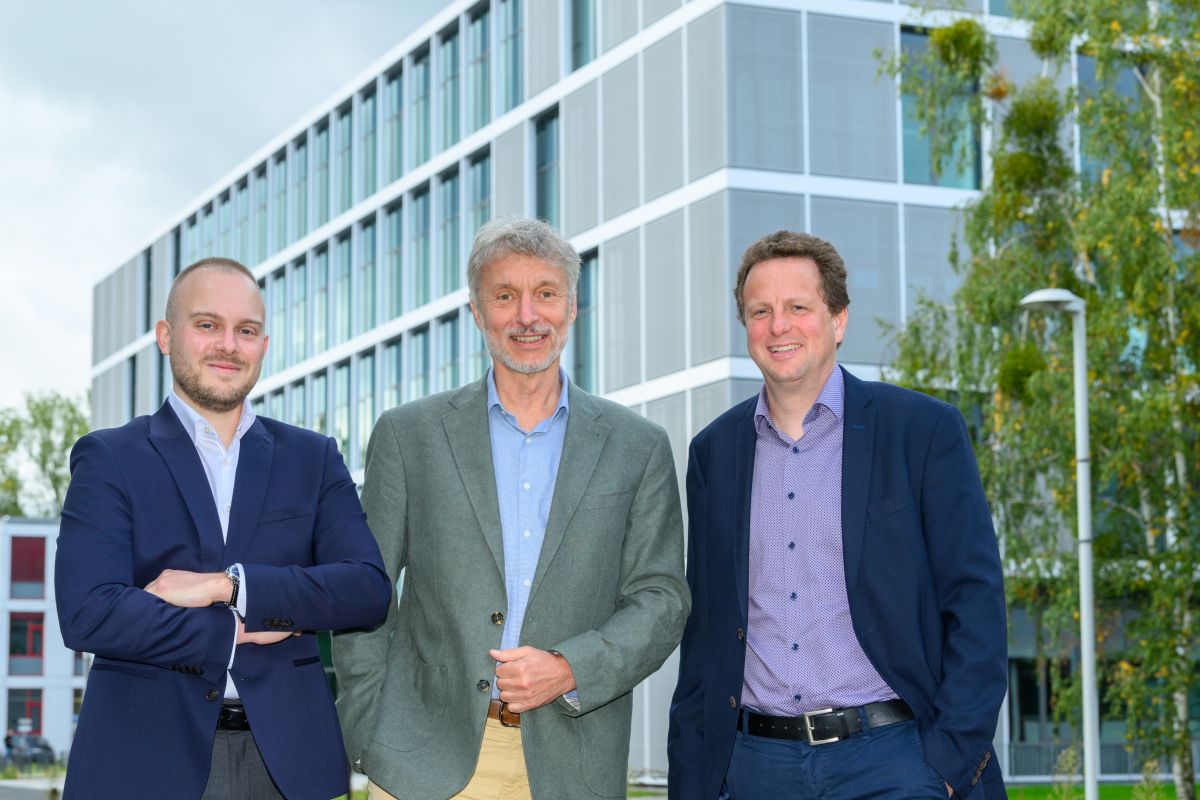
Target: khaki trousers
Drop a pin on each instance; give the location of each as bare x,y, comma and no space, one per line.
499,773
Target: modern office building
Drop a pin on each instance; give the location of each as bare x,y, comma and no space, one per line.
42,681
660,136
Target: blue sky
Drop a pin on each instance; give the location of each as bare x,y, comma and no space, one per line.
114,115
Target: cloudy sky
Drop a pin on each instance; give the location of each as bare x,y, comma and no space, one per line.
114,115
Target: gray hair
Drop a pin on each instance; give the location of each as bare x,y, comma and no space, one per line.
213,264
520,236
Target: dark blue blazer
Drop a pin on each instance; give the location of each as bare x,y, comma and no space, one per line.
922,574
139,503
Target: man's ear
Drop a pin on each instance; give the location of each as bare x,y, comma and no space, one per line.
162,335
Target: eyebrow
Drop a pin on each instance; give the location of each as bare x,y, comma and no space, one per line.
214,315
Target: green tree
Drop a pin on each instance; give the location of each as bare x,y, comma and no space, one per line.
10,480
35,451
1120,228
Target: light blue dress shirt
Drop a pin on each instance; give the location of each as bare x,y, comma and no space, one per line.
526,467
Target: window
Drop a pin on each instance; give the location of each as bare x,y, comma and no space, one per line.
300,189
449,89
447,353
241,210
345,160
298,408
583,370
274,407
225,220
191,242
510,54
25,710
393,261
546,178
278,320
420,248
367,123
78,666
481,192
341,290
320,301
208,229
341,409
26,635
479,105
366,276
449,232
279,213
28,575
366,402
420,109
260,215
322,187
320,403
299,312
392,376
918,149
583,32
394,133
418,361
477,352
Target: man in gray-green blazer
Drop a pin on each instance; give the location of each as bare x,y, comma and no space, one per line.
539,533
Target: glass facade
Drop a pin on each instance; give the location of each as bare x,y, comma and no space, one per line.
393,127
320,403
418,364
261,193
366,277
342,267
918,156
299,286
584,367
447,353
393,377
419,239
367,144
25,706
583,32
511,72
298,405
300,189
449,233
241,205
341,409
479,85
27,575
393,261
277,321
366,403
320,311
481,192
26,642
546,169
345,160
321,187
449,99
420,120
279,216
225,215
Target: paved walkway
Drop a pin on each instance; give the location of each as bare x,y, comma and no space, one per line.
30,788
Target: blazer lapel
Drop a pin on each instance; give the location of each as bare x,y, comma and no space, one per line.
249,490
858,438
582,444
168,437
743,481
466,429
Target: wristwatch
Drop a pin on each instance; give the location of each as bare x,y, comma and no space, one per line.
235,577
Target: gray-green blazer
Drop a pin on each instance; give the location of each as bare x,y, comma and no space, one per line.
608,593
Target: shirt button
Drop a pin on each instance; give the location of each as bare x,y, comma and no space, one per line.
527,534
793,595
528,439
526,582
791,495
525,485
741,635
208,430
795,647
796,697
212,695
796,450
791,545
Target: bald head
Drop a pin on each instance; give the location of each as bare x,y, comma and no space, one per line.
226,265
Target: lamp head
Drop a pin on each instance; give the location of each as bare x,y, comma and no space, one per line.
1053,300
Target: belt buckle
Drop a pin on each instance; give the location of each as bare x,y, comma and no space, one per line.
808,726
503,712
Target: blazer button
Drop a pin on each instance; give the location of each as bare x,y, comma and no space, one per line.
287,623
269,622
741,635
212,695
732,703
497,617
483,686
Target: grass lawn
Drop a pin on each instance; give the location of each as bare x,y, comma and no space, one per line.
1108,791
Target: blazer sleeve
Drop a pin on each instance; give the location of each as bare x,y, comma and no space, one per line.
100,609
968,580
359,656
346,586
685,734
653,597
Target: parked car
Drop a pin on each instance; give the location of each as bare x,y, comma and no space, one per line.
31,750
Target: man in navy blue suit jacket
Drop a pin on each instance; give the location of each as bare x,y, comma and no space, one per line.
200,550
847,637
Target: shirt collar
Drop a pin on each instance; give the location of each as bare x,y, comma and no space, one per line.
832,396
494,396
193,420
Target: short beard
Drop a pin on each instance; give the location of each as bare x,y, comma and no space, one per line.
190,384
557,345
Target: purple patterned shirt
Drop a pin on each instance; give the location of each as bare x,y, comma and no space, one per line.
801,652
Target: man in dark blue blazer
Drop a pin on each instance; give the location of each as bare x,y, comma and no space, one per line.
200,550
847,637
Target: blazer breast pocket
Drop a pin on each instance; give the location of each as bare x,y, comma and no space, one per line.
284,514
889,506
605,500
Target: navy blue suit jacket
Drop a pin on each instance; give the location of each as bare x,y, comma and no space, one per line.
922,574
139,503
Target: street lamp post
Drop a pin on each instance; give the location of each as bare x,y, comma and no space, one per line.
1063,300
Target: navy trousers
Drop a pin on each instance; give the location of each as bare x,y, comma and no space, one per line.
885,763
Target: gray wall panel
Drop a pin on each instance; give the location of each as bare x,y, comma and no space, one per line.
765,121
620,123
752,215
662,104
671,413
508,184
867,236
665,328
160,277
927,234
618,21
580,163
654,10
542,26
852,109
706,94
620,311
711,276
146,364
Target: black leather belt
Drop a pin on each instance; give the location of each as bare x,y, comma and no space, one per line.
233,718
826,725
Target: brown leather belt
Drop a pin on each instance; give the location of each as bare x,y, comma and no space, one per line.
498,711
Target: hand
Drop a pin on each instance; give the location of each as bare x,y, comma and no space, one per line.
191,589
949,790
529,678
261,637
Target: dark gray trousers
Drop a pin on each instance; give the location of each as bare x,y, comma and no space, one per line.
238,771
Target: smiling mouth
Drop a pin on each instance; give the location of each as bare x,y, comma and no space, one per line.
783,348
